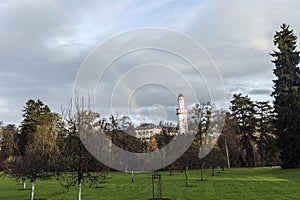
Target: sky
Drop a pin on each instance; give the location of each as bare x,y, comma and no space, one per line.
43,45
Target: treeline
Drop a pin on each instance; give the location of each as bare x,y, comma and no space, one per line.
254,134
47,144
247,138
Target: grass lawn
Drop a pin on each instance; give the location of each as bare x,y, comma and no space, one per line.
243,183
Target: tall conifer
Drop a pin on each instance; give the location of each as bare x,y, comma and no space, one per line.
287,96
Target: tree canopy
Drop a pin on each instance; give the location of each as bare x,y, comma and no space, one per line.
287,96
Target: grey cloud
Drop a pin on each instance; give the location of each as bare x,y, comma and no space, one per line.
239,37
260,91
44,42
30,67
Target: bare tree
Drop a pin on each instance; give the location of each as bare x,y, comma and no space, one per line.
74,155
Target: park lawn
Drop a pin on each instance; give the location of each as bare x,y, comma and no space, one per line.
238,183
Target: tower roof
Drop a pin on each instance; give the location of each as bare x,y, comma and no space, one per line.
180,95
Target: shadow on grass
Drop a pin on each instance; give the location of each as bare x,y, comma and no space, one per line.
98,187
21,189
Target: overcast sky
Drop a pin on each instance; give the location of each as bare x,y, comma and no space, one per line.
43,43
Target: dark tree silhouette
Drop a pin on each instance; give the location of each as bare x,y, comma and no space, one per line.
287,96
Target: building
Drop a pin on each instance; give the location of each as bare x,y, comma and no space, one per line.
147,130
182,116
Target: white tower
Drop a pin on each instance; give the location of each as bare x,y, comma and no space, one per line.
182,116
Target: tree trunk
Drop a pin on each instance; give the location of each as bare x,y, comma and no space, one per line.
97,183
32,189
132,176
186,177
201,172
104,175
24,183
227,154
97,180
250,155
73,179
79,188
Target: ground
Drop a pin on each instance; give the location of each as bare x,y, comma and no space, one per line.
242,183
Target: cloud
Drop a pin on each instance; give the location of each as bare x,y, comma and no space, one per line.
260,92
235,30
43,44
30,67
239,37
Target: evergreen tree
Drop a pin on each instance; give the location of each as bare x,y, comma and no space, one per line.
243,109
265,129
287,96
35,113
36,144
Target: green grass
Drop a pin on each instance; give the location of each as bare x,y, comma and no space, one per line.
255,183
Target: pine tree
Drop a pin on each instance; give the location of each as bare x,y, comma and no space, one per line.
243,109
265,128
287,96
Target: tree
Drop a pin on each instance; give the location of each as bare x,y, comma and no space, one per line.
121,131
35,113
243,109
36,144
39,159
287,96
214,158
75,157
199,121
8,145
229,141
265,129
